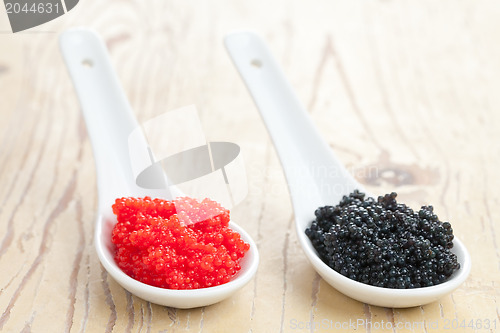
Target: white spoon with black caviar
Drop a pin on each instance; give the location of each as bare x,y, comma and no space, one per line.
315,176
110,121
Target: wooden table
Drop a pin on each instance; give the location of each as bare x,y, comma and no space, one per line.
405,92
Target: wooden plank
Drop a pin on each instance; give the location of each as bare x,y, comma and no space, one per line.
405,92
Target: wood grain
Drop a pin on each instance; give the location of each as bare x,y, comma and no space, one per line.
405,92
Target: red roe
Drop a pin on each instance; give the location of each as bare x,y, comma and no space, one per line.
179,244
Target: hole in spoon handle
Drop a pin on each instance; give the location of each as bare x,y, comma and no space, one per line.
87,63
256,63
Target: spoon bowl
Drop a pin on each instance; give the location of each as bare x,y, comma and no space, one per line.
110,121
314,175
182,299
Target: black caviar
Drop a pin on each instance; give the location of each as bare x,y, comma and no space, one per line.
384,243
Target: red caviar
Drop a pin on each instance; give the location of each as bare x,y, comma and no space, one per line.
179,244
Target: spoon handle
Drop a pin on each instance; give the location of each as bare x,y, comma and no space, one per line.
107,113
315,176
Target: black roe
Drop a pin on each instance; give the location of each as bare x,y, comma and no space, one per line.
384,243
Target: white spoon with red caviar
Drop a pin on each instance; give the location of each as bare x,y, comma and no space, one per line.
315,176
110,120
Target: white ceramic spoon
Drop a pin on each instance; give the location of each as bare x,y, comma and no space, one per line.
109,121
315,176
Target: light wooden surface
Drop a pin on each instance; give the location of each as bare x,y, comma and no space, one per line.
406,93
